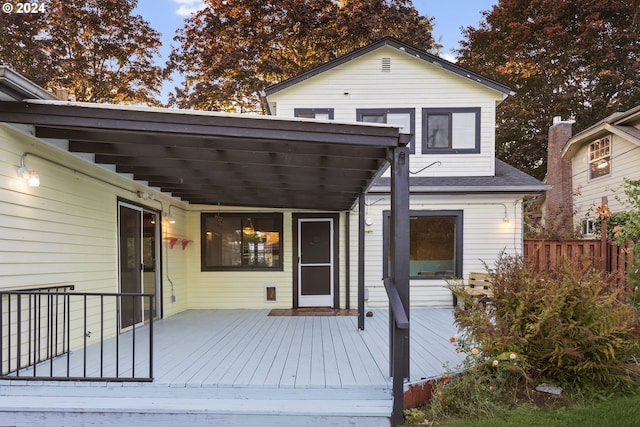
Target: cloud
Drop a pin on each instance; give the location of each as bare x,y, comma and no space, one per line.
449,57
188,7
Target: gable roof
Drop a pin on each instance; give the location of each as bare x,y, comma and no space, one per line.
622,124
396,44
507,179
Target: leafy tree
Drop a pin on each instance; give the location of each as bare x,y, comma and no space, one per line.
231,50
95,49
577,59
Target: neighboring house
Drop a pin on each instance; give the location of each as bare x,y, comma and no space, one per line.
590,165
466,205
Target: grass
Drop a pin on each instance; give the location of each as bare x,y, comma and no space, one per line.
619,411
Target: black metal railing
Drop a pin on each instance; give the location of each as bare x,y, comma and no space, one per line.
398,327
57,335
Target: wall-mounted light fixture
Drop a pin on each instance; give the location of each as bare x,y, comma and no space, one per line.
505,220
169,218
30,175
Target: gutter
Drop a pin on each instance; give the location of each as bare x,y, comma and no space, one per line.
19,87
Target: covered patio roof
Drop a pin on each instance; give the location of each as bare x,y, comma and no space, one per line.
218,158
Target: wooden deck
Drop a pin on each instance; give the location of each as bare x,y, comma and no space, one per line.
210,362
248,348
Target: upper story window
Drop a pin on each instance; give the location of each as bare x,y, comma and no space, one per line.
405,118
241,241
600,158
450,130
314,113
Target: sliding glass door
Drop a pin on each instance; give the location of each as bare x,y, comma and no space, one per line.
139,267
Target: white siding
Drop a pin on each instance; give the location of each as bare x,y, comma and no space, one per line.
411,83
485,236
65,231
625,163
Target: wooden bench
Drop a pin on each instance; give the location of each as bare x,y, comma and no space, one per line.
479,285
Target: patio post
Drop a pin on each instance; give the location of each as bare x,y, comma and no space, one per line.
361,211
399,275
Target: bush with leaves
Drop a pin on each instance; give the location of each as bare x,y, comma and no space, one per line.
568,323
629,231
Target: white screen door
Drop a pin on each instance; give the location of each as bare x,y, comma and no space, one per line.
316,263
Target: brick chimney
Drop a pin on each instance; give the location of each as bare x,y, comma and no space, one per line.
559,200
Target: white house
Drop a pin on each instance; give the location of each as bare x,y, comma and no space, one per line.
466,205
204,210
591,165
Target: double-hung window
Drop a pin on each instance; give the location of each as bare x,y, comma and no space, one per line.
435,244
451,130
600,158
404,118
241,241
314,113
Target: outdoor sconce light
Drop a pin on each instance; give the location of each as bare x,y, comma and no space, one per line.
30,175
505,220
169,218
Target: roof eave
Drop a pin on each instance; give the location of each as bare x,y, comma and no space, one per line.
19,87
592,134
489,189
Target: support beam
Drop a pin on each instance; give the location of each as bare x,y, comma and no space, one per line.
361,211
347,258
399,274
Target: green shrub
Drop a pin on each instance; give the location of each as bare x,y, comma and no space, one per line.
567,324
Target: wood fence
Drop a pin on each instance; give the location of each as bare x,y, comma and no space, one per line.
604,256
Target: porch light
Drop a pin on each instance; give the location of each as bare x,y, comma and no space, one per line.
30,175
169,218
505,219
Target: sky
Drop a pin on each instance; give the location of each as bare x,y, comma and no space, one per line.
166,16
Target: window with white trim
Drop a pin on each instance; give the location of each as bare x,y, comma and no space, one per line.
588,227
600,158
450,131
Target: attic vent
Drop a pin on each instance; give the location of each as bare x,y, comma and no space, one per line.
386,65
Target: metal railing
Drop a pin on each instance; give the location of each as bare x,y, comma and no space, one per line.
398,328
51,334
